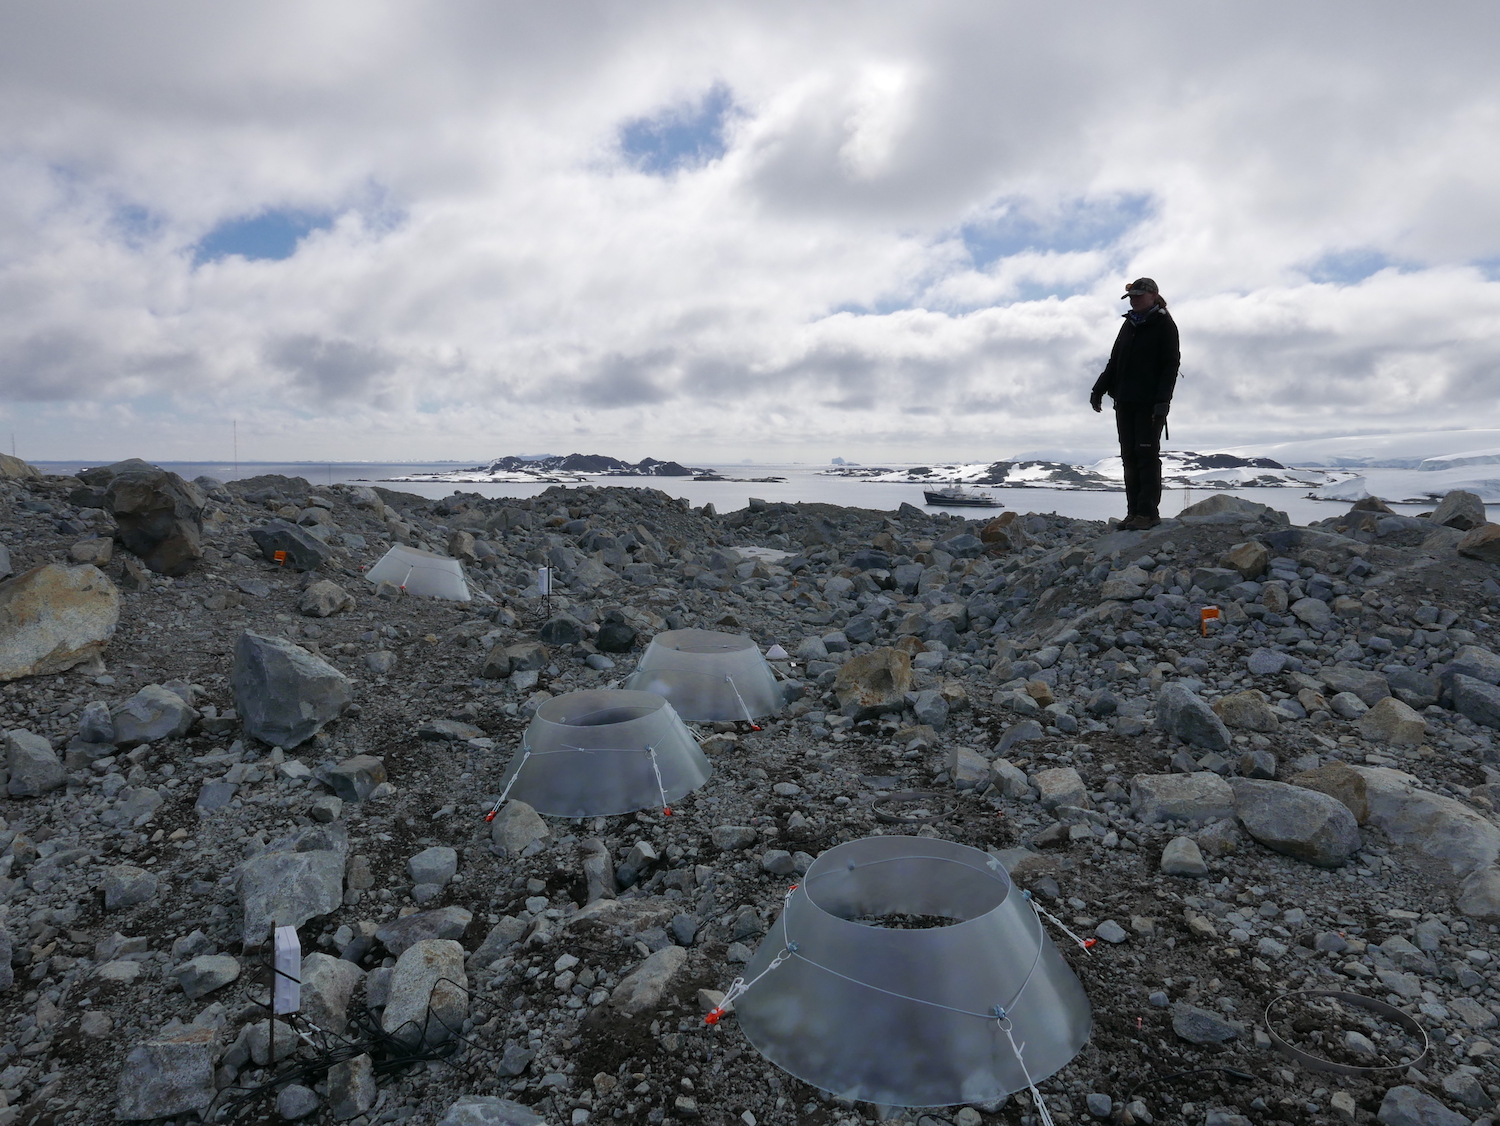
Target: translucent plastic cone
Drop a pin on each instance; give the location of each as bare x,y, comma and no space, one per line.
421,573
911,1017
708,676
605,751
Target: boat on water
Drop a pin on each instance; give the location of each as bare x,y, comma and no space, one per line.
954,495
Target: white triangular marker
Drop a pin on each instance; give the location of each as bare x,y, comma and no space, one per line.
287,992
777,653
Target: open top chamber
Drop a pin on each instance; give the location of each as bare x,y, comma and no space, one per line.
910,971
605,751
708,676
421,573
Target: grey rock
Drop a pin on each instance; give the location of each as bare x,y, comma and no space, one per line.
95,725
1463,1087
55,617
930,708
401,934
351,1088
355,779
158,516
286,887
34,768
515,1059
125,885
380,662
1477,700
1009,779
1023,732
1182,857
1479,894
324,599
733,837
615,637
1436,826
967,768
284,694
1061,786
503,935
1348,706
1475,661
1182,713
295,1101
215,795
326,808
304,551
487,1110
1111,931
642,990
1201,1026
428,998
873,683
1297,822
1369,686
1201,796
200,976
776,861
1459,509
152,714
435,865
528,656
561,630
327,985
1407,1106
1258,763
169,1074
1265,662
517,827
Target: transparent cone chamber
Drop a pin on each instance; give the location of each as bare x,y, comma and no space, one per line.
602,752
421,573
708,676
912,1017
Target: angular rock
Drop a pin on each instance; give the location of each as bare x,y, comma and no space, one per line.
561,630
17,469
1390,721
873,684
159,517
1475,661
53,618
200,976
435,865
284,694
1221,508
528,656
304,551
731,838
295,1101
327,985
496,663
1061,786
1265,662
1459,509
1408,1106
1250,560
1481,543
488,1110
1201,1026
1313,613
428,998
401,934
125,885
33,765
1296,821
1479,894
324,599
967,768
1202,796
1182,857
503,935
167,1075
351,1088
1477,700
152,714
642,991
355,779
1369,686
1436,826
615,637
1248,711
517,827
286,888
1182,713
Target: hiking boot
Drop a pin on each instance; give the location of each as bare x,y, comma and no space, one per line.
1144,522
1132,524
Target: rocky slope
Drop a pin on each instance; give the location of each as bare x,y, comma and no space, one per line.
1305,798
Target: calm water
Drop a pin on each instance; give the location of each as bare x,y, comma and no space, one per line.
802,483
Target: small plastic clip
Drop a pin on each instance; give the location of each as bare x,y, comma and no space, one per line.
1090,943
791,947
666,811
713,1015
490,816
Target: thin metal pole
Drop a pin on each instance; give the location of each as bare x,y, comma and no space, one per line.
236,447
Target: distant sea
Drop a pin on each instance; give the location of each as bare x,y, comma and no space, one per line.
802,483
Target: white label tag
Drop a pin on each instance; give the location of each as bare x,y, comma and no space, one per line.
286,995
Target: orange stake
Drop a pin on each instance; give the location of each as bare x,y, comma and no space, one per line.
1206,615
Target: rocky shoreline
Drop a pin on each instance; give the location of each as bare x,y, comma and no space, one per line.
203,740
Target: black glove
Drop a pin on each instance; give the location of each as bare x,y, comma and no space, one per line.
1096,400
1160,410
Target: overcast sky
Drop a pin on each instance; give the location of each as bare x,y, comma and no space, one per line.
722,231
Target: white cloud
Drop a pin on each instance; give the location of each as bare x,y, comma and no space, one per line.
499,275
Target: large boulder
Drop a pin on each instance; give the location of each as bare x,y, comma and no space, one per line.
1369,686
33,765
303,550
1203,796
1436,826
1475,661
1459,509
873,683
428,998
642,990
1221,508
1248,710
152,713
327,985
1183,713
490,1110
293,880
284,694
1338,780
1390,721
1250,560
325,598
1409,1106
159,517
1296,821
1481,543
170,1074
400,934
1477,700
18,470
54,617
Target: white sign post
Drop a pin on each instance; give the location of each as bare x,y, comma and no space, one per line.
286,990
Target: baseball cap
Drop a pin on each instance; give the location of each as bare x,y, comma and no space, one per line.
1139,287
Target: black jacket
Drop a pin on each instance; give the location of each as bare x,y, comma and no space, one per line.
1143,364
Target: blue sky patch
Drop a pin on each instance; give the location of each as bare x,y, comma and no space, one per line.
1348,267
1078,224
681,136
272,235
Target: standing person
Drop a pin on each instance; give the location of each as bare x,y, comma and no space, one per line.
1140,377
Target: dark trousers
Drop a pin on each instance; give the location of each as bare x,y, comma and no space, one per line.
1140,450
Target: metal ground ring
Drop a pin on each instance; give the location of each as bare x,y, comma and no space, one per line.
1380,1008
910,796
